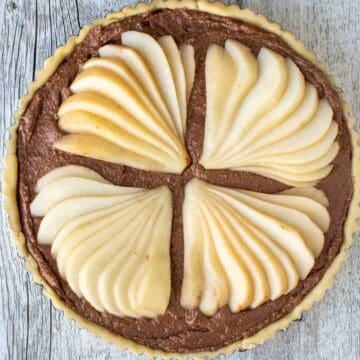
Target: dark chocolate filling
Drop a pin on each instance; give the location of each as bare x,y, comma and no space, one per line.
179,330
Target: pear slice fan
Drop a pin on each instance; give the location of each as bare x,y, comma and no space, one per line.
263,117
129,105
111,243
243,248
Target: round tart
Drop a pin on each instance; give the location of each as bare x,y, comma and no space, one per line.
181,179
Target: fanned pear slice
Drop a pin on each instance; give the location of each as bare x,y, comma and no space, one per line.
140,69
96,104
224,238
266,93
295,121
291,99
67,171
159,66
96,147
172,54
230,73
103,81
111,243
261,245
129,105
70,187
306,180
119,68
309,192
311,233
279,128
84,122
188,59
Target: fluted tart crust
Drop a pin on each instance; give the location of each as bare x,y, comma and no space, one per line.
184,327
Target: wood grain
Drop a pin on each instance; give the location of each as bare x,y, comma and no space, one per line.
30,328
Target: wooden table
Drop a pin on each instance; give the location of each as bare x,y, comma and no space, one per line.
30,328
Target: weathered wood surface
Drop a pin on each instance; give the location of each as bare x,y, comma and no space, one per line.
30,328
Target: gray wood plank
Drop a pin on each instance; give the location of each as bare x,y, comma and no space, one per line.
30,328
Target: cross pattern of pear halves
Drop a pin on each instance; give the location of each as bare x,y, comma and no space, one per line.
263,117
129,105
243,248
111,243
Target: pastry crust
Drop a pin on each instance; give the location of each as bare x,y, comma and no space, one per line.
10,179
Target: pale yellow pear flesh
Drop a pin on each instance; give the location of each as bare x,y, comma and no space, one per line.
129,105
188,59
157,61
243,248
173,56
236,72
277,127
67,171
111,243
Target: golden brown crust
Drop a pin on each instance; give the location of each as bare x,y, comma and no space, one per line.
10,174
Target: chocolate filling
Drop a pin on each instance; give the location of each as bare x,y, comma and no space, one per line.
179,330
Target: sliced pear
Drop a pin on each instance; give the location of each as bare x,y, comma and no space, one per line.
285,235
104,108
264,96
61,239
130,269
81,221
188,60
172,54
308,154
307,180
230,73
97,148
155,58
310,232
82,264
144,96
97,229
120,69
306,204
290,100
308,135
114,88
278,284
248,247
151,285
259,290
242,287
194,276
67,171
269,255
295,121
140,69
280,129
307,167
94,266
309,192
65,211
216,289
70,187
86,123
103,224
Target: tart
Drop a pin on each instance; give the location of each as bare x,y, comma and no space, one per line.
181,179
